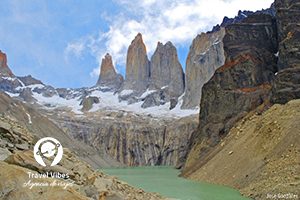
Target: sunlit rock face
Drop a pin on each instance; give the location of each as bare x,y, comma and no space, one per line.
4,70
108,75
205,56
137,66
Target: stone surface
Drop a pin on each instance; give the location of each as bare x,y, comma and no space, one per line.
137,66
4,153
205,56
241,84
166,71
108,75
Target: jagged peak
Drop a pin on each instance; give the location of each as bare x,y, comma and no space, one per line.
241,16
108,75
168,45
107,65
107,56
138,39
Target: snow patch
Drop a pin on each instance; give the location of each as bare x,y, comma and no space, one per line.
12,94
8,78
109,101
126,92
244,15
29,118
57,101
32,87
145,94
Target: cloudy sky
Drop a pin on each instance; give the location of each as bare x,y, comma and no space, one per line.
62,42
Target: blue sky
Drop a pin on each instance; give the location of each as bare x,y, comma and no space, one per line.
62,42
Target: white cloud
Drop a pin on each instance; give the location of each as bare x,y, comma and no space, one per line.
178,21
75,48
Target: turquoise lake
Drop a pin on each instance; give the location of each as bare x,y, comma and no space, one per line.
165,181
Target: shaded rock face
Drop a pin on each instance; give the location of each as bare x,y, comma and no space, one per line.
137,66
205,56
166,71
29,80
88,102
242,83
243,15
286,86
108,75
133,140
288,17
26,95
4,70
287,82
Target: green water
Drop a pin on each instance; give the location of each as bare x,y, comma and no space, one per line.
165,181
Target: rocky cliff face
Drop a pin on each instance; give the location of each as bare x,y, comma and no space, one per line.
8,81
241,84
137,66
288,18
108,75
166,71
133,140
286,84
4,70
205,56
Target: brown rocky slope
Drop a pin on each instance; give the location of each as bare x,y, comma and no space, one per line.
260,156
41,126
81,182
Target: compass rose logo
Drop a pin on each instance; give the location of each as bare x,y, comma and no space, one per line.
48,148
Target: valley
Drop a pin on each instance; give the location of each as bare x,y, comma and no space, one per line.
229,118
